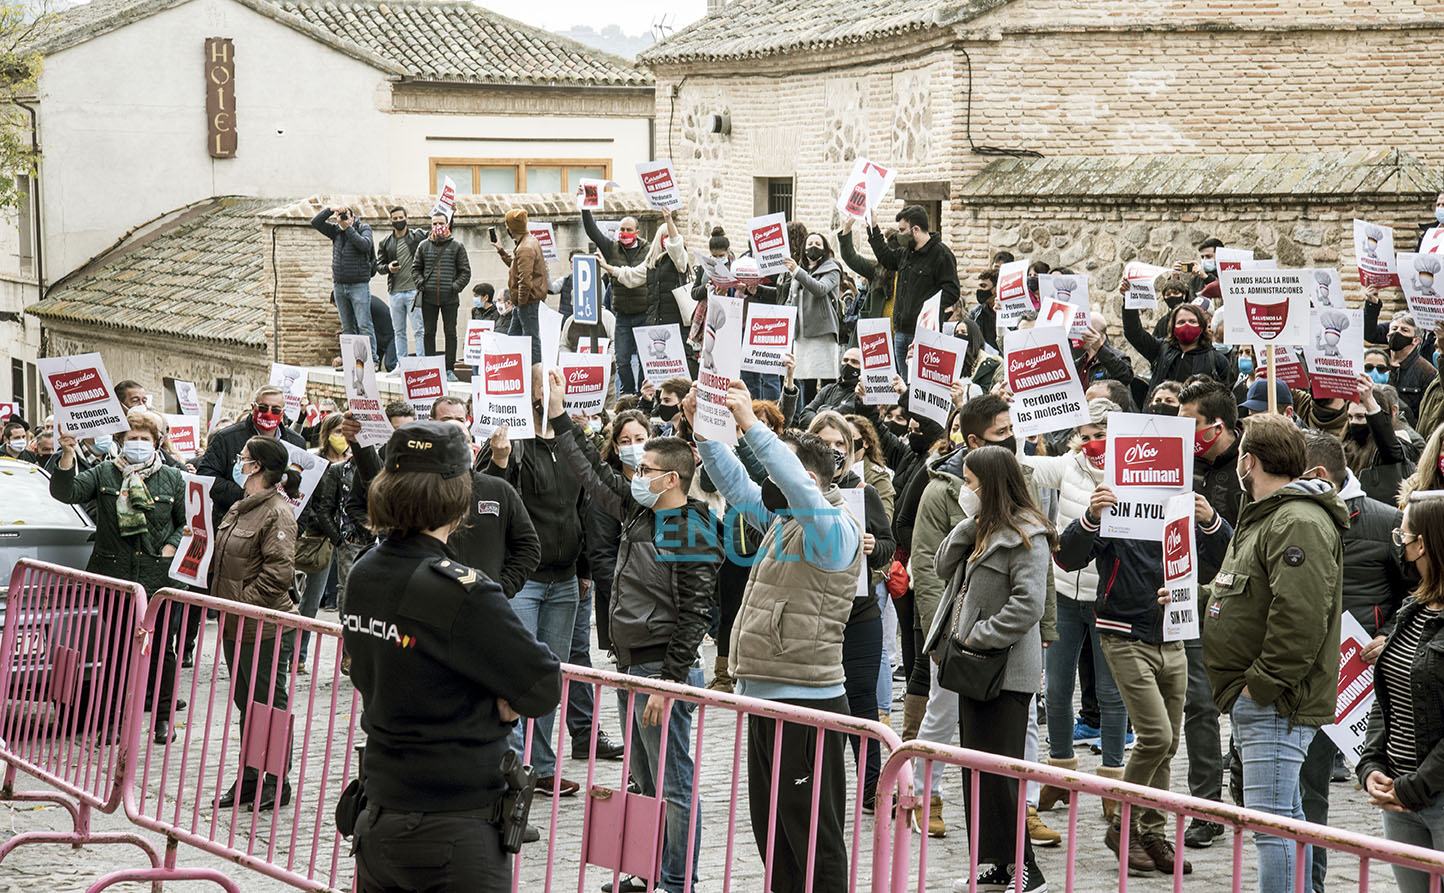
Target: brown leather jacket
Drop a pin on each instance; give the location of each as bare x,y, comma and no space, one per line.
255,557
527,279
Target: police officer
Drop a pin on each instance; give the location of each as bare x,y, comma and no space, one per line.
444,669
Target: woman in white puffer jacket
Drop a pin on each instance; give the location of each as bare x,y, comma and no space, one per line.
1075,476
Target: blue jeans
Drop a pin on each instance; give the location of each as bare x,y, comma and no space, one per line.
884,671
676,775
1273,749
353,305
548,611
1424,828
901,341
625,344
311,602
579,694
1075,628
401,313
524,322
763,386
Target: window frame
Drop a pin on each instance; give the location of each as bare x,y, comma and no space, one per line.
521,166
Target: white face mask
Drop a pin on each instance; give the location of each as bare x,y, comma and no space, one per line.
968,501
17,445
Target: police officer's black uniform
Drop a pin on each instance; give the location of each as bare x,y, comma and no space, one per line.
433,646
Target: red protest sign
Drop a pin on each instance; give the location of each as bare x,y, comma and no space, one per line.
504,375
767,331
422,384
1177,552
1037,367
77,387
770,237
936,365
585,380
875,353
1149,462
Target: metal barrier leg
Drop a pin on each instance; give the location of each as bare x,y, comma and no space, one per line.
156,875
80,836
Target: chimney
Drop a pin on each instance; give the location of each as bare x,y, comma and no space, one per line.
715,6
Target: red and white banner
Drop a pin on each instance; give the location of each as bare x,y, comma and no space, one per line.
423,379
864,188
192,561
659,182
586,382
874,339
936,363
1421,277
82,395
768,236
768,338
501,394
1335,352
718,364
8,411
1047,395
445,200
1013,297
184,434
1356,692
1266,306
590,193
1141,278
1149,459
1374,250
363,397
1232,259
1180,570
547,237
475,330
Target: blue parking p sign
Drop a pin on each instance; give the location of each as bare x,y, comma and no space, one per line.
586,283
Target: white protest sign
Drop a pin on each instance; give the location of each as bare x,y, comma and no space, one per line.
1053,312
363,397
1356,692
184,434
82,395
718,275
1262,263
547,237
475,329
423,379
1141,278
663,355
768,237
586,382
216,411
585,346
1232,258
1374,249
446,199
1419,277
292,382
686,305
768,339
1013,298
549,322
311,468
1047,395
1335,352
659,182
937,362
188,398
930,316
874,339
590,192
719,363
855,500
1180,570
1432,242
1149,458
501,394
192,561
1064,288
1266,306
864,188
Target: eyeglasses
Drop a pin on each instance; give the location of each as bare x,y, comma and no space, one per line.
1402,539
272,410
648,471
1370,367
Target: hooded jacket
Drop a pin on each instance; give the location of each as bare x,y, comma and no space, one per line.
1272,622
441,271
526,276
922,273
1377,579
352,255
1418,789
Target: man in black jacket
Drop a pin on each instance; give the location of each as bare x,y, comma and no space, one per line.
352,263
394,255
660,607
263,420
441,271
839,396
629,303
925,267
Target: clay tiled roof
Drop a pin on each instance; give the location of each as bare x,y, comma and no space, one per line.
1376,171
468,207
752,28
427,40
197,276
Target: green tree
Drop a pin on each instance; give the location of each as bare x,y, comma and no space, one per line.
22,27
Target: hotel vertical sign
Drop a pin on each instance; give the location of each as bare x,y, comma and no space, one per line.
220,97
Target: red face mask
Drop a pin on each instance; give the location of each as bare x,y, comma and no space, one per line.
1203,444
1187,332
1076,342
1094,449
627,239
266,420
1441,464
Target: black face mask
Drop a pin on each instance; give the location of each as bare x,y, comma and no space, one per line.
898,429
1173,300
848,375
814,254
773,498
1398,341
1163,409
665,412
919,442
1010,444
1033,284
984,294
839,459
398,225
1359,433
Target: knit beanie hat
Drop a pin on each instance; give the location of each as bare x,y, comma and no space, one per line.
516,222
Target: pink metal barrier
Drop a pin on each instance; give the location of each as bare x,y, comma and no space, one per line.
621,831
909,874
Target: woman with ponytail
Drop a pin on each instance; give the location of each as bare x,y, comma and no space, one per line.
255,564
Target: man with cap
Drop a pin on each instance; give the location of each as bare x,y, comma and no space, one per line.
1258,398
445,670
527,279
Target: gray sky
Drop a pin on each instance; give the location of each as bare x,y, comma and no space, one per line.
633,16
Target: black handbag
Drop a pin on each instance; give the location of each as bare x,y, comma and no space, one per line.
971,672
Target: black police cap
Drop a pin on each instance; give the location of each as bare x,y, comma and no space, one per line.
429,447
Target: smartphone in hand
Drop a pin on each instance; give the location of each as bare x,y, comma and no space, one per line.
491,233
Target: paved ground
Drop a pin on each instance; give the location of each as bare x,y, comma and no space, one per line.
56,868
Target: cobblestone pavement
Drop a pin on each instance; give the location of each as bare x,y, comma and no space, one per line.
54,869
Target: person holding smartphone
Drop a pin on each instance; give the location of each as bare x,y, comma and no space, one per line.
352,262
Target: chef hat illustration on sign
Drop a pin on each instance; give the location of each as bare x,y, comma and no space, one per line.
1063,288
1372,235
1426,268
1322,296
